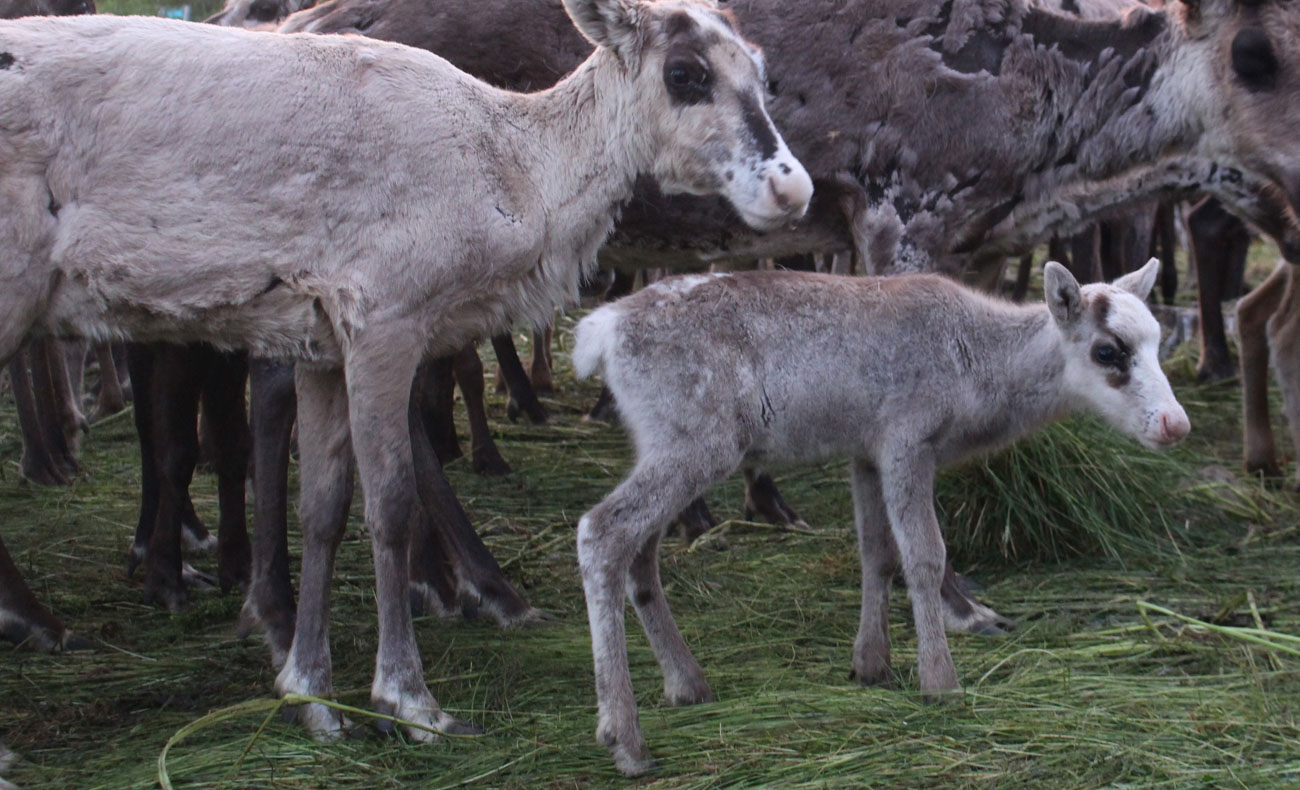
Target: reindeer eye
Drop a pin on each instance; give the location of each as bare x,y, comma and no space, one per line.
1107,355
688,82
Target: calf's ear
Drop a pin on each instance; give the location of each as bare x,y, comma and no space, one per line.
613,24
1140,282
1062,292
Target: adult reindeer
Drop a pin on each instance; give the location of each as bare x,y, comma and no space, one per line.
351,239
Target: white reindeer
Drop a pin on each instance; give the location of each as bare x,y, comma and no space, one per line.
904,375
356,206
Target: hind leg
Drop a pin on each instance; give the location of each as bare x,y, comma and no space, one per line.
325,449
614,538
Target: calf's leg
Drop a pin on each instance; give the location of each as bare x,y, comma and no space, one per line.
879,562
907,480
610,537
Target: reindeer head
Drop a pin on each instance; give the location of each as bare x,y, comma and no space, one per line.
1253,50
256,13
1111,342
706,84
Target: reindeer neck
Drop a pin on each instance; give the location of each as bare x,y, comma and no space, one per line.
1024,385
591,142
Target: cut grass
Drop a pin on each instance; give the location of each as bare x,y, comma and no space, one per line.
1097,687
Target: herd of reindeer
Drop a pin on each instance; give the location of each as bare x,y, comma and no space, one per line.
330,224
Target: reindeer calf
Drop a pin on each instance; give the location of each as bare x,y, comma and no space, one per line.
904,375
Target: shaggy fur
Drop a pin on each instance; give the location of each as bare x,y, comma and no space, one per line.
939,132
357,206
904,375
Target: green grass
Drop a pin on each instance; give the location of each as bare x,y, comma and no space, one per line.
199,9
1088,692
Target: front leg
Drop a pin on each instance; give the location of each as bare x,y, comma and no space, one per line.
380,367
907,483
879,559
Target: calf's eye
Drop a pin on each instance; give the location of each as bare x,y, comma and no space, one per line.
1106,355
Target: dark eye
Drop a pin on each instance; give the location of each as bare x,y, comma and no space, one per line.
688,81
1107,355
1253,59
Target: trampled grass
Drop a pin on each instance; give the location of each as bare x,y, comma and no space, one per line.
1076,535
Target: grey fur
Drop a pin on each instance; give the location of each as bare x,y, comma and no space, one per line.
348,203
904,375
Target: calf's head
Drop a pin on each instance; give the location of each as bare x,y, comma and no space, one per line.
1111,342
701,87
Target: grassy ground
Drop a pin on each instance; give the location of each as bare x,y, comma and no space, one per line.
1088,692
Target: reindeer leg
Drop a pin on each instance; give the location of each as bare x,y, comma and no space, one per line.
325,451
174,396
269,606
1284,342
878,556
486,458
763,499
23,620
540,371
223,413
37,464
522,396
380,368
907,483
1253,314
445,535
435,389
111,399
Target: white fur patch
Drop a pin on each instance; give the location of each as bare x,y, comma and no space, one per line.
593,339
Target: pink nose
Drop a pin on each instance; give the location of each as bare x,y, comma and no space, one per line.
1174,428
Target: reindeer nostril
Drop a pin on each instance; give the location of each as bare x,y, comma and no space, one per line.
782,200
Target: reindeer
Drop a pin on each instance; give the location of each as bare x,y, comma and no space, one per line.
903,375
350,239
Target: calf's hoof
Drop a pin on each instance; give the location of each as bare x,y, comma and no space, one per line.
631,755
944,696
688,691
873,674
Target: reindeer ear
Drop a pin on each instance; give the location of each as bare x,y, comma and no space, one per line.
1140,282
1062,292
613,24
